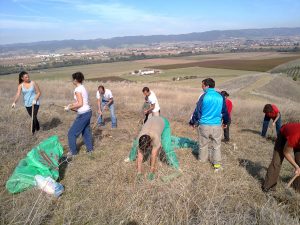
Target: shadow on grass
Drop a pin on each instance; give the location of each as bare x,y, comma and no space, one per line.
253,168
51,124
251,131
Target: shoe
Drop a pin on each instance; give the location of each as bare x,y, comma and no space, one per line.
90,155
101,124
127,159
70,157
217,167
114,126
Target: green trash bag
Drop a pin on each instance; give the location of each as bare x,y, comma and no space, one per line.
42,160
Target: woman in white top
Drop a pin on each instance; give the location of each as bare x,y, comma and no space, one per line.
81,124
31,94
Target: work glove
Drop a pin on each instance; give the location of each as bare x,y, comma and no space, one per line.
67,108
151,176
33,102
13,105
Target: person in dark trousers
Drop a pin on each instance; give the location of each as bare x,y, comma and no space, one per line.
229,109
207,117
271,112
287,146
31,94
81,124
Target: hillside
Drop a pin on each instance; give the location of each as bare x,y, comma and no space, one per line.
105,190
116,42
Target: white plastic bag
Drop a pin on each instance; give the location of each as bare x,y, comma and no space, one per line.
49,185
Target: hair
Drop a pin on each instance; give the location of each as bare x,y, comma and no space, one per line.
78,76
268,108
21,76
102,87
145,143
225,93
209,82
145,89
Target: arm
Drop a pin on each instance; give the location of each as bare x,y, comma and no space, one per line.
108,103
225,115
152,106
99,106
78,104
154,155
197,113
287,151
18,94
277,117
37,91
139,161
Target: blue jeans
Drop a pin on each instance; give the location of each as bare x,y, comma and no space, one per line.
81,125
266,125
112,115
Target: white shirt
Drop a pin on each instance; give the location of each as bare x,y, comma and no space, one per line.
85,99
153,100
106,96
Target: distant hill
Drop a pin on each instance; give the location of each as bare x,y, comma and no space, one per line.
51,46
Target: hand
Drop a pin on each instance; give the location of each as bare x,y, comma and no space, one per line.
67,108
33,102
224,126
273,124
297,171
99,112
13,105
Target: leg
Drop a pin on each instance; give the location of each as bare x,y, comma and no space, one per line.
146,117
86,133
278,125
36,123
75,130
216,135
203,137
29,110
167,145
113,116
275,165
265,126
226,131
296,183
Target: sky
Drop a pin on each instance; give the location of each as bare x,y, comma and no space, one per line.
23,21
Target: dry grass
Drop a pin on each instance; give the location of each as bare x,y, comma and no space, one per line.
105,191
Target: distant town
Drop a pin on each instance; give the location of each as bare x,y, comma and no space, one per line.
11,62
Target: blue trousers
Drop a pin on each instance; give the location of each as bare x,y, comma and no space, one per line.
81,125
266,125
112,115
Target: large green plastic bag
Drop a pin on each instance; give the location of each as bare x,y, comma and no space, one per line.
41,160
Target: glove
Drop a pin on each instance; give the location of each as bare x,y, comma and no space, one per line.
33,102
151,176
13,105
67,108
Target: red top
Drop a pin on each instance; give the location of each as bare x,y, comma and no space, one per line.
273,114
229,106
291,131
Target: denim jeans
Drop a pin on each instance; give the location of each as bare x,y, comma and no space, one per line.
81,125
266,125
112,115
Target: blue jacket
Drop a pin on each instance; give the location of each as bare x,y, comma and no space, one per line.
210,110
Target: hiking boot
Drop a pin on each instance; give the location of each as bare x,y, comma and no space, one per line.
217,167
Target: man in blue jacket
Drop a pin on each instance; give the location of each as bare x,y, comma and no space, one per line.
208,115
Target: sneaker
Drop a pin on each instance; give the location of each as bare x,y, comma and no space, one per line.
217,167
127,159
